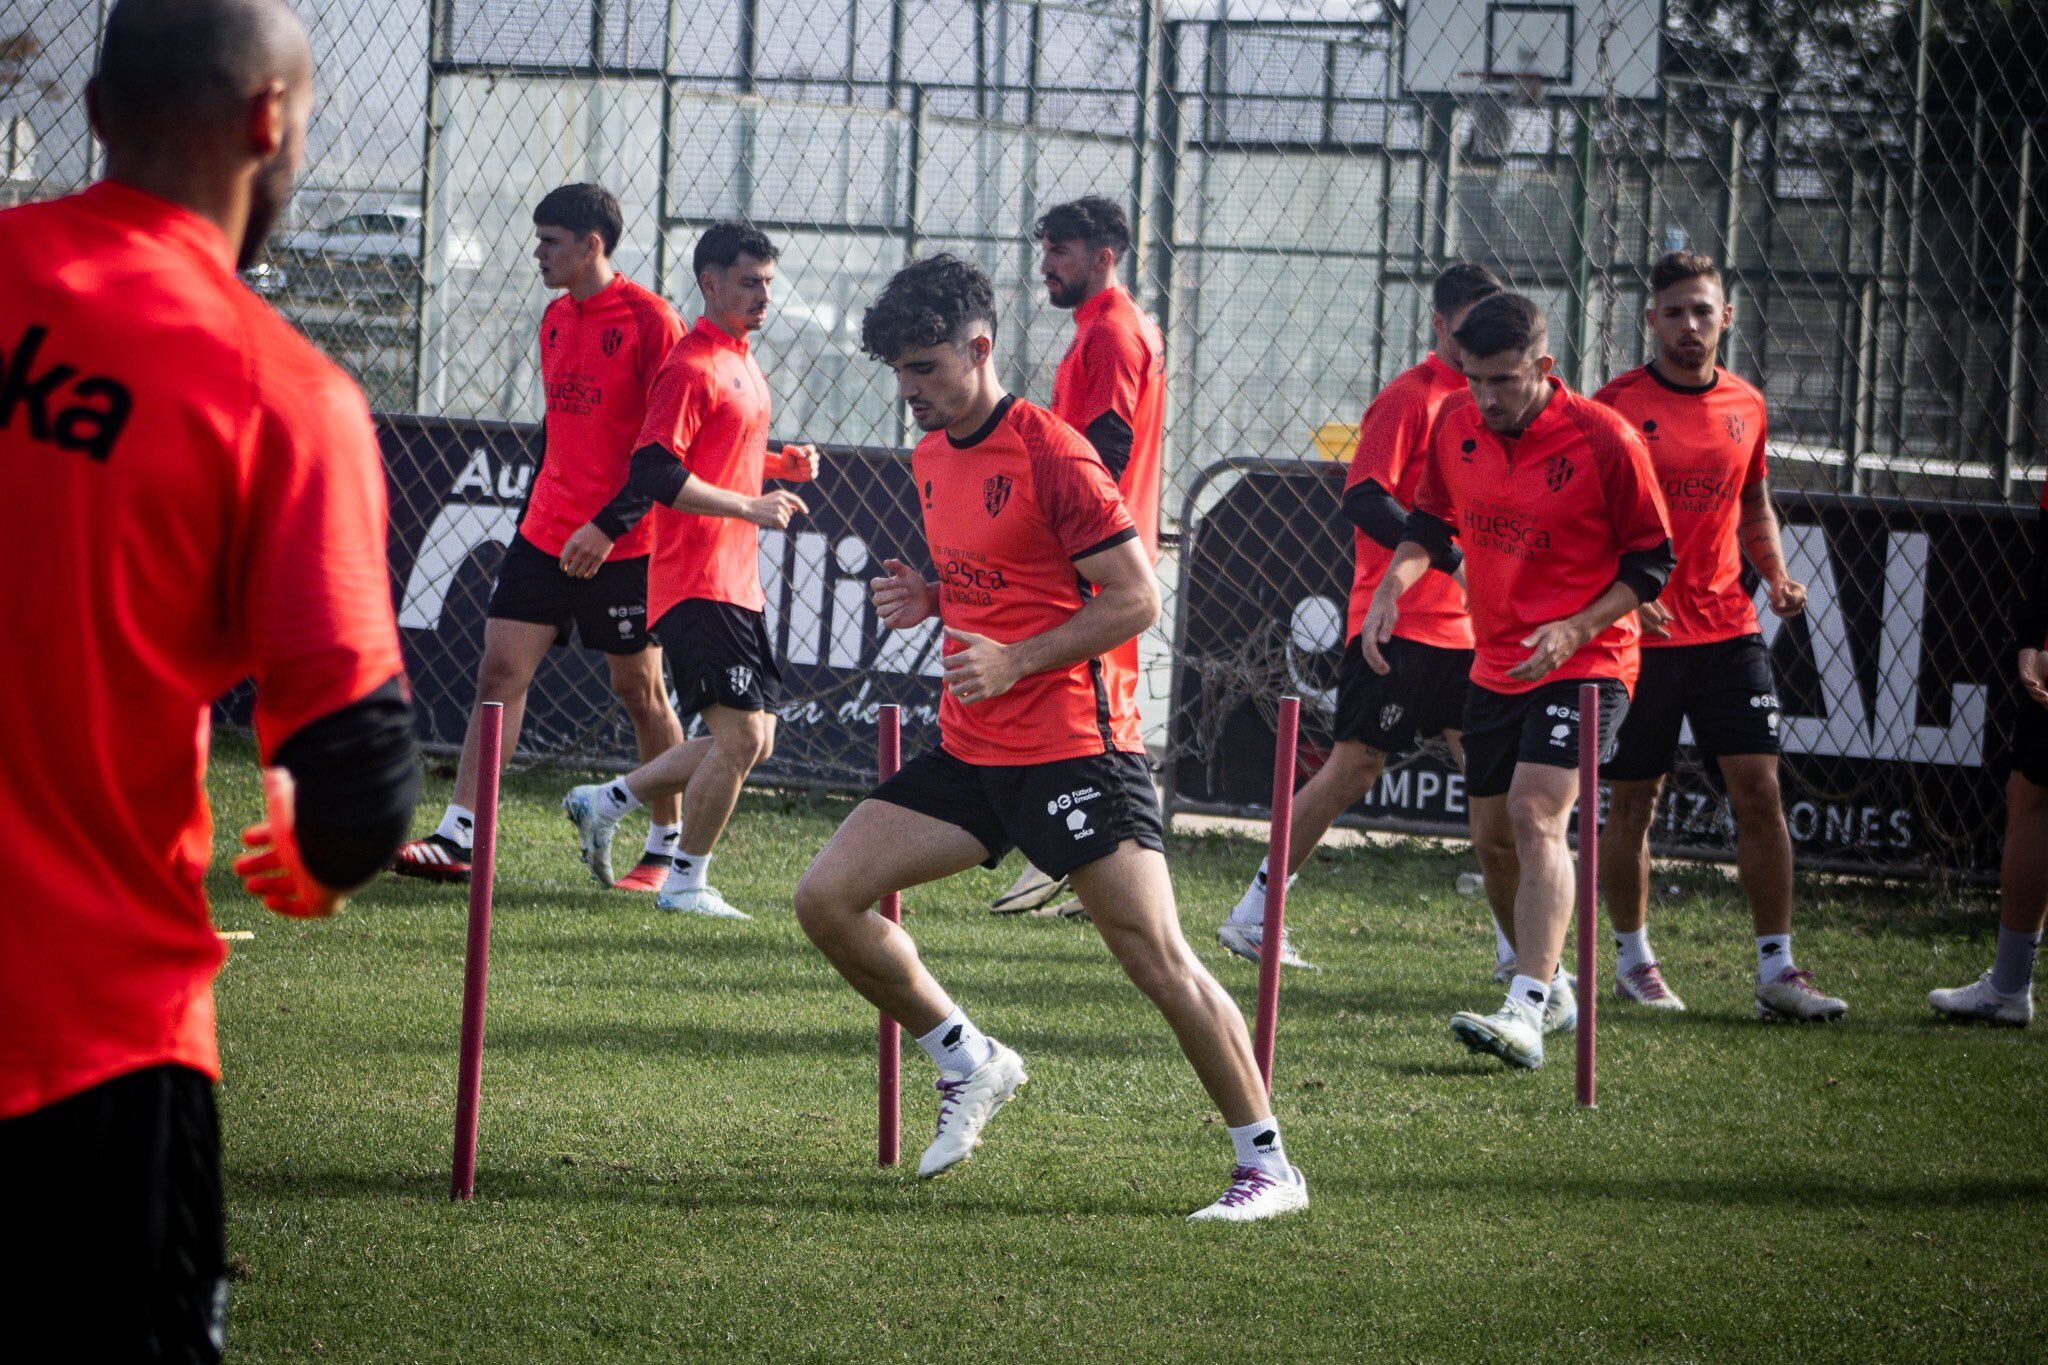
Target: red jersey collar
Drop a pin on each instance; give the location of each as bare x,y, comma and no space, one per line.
1101,303
602,296
160,218
1553,411
718,336
1440,371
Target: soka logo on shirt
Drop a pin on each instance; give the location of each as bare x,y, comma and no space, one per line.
90,424
995,493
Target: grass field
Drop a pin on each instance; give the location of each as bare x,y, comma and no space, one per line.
678,1134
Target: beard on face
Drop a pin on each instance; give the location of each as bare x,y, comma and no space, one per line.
1061,293
268,194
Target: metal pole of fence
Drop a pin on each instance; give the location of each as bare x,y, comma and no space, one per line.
476,966
1589,877
1268,1017
889,1041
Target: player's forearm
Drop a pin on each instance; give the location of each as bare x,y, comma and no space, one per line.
357,778
1118,612
1603,611
707,499
1758,534
1410,563
1376,513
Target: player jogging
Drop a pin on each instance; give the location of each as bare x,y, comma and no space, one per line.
1564,534
1040,572
1704,661
1379,715
1110,387
700,460
196,497
573,563
2005,994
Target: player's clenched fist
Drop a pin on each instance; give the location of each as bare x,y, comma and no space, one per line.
979,669
772,511
1549,646
903,598
1787,598
798,464
272,870
1655,618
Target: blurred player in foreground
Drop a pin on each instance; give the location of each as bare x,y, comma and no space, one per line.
573,563
1704,660
1379,715
1564,535
196,496
2005,994
700,461
1110,387
1040,573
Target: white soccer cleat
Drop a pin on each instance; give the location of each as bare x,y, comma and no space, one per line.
1790,995
1246,940
1645,986
1032,890
593,831
705,900
1982,1002
1561,1010
1254,1195
966,1104
1505,1034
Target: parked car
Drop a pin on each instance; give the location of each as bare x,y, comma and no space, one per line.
372,254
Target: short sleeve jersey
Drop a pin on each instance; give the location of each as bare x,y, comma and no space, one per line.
1117,363
710,408
1707,445
1393,440
597,360
1544,518
1006,514
194,497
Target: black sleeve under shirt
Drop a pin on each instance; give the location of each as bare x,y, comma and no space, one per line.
357,778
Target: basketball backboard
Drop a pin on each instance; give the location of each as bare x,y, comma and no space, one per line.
1460,47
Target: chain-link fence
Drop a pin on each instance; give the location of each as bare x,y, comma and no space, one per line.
1869,175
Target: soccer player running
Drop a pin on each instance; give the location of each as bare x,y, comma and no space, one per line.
195,495
1704,660
1423,695
1564,536
574,563
700,461
1040,573
2005,994
1110,387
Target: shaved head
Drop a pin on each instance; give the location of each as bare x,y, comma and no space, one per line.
193,91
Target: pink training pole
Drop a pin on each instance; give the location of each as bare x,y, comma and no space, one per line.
889,1040
476,967
1268,1018
1589,882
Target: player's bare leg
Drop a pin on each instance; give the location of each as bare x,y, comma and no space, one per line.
1538,807
1343,780
1625,882
1493,844
1763,862
707,772
637,682
878,849
2005,994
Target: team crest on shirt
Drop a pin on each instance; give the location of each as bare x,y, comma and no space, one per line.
995,493
740,677
1557,472
610,342
1735,426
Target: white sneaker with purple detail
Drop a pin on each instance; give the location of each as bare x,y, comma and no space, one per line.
966,1104
1791,995
1645,986
1254,1194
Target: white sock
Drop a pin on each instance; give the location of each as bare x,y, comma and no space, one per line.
1631,950
614,800
1773,956
458,825
1252,908
1528,995
662,840
956,1046
1258,1144
1503,951
687,871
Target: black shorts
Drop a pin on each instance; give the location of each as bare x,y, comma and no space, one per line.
2030,741
609,609
116,1246
719,655
1725,689
1421,698
1064,814
1539,726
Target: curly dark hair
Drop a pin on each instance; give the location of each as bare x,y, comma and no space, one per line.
582,209
1502,322
725,242
932,302
1092,220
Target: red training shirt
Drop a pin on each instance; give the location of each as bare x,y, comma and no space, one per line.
1006,514
1116,364
1393,440
710,408
1544,518
597,360
194,497
1707,445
